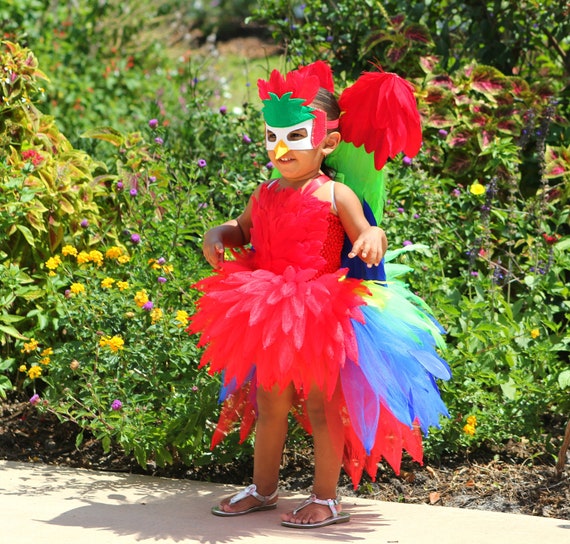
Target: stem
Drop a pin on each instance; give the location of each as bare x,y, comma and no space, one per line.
562,454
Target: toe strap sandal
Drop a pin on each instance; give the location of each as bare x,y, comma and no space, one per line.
335,517
249,491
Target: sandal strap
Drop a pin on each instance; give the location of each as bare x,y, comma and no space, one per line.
331,503
251,491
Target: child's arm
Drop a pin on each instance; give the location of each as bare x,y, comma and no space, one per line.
232,233
368,242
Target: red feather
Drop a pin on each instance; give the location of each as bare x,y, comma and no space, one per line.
380,113
302,83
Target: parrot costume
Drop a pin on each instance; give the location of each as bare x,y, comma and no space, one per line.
294,309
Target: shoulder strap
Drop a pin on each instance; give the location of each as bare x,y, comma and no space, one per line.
316,183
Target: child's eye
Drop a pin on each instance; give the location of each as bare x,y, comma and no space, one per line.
297,135
271,136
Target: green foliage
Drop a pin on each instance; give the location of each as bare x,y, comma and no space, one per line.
522,38
488,195
46,190
121,337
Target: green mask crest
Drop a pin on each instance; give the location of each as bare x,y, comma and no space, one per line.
285,111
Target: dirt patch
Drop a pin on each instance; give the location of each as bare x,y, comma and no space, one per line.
514,480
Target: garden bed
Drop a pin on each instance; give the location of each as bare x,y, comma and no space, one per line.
513,480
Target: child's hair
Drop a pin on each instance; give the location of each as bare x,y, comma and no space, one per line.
326,101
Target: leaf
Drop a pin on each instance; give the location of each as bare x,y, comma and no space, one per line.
489,81
108,134
5,365
564,379
434,497
79,440
27,234
106,443
11,331
417,33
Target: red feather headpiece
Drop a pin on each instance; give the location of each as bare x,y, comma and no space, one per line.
380,113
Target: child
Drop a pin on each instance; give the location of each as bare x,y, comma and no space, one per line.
290,331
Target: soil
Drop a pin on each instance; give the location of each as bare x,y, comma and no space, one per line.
514,480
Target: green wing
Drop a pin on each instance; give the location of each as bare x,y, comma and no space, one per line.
355,168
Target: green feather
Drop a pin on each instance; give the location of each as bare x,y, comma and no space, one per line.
356,168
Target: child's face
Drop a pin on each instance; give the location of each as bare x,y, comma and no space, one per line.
299,165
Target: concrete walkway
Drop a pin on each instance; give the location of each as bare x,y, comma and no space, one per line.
45,504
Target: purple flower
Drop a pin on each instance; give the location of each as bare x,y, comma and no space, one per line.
133,192
148,306
153,123
202,163
442,132
407,161
35,399
269,165
152,179
194,388
116,405
223,110
135,238
161,279
84,223
401,210
161,261
158,140
456,192
416,216
246,139
407,243
474,273
120,185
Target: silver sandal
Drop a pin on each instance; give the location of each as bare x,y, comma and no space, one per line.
249,491
336,517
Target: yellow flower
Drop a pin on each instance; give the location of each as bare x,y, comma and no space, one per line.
47,351
182,318
69,250
77,288
141,298
469,429
107,283
45,360
155,315
472,420
168,269
477,189
51,273
96,257
114,343
82,257
123,259
23,368
34,372
113,252
123,285
30,346
53,262
535,333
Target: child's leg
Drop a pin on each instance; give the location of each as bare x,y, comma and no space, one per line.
328,439
270,434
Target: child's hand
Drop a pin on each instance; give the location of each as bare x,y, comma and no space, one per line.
213,249
370,246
